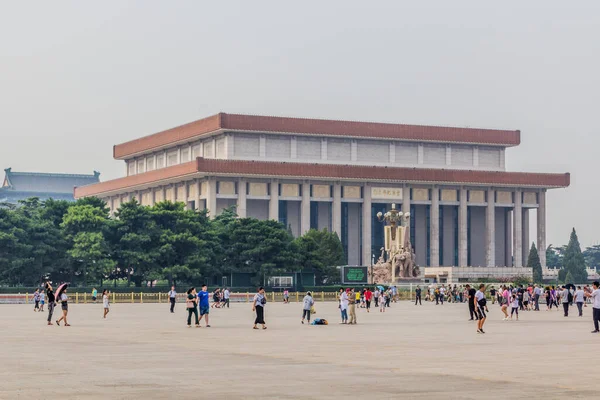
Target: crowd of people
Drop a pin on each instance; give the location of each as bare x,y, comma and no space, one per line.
516,298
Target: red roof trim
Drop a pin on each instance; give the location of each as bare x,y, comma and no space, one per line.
327,171
323,127
354,172
136,180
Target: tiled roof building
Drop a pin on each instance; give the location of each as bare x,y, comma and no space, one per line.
23,185
466,209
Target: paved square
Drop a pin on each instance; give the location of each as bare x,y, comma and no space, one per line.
143,352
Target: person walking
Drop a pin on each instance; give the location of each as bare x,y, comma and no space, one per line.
343,305
418,296
94,295
307,304
286,296
514,306
471,299
505,302
42,300
564,298
352,306
537,291
226,294
493,294
376,297
481,307
579,300
204,304
191,302
105,303
368,297
258,305
51,301
442,294
595,297
64,305
172,298
36,300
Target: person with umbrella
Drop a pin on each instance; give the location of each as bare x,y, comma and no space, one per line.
61,293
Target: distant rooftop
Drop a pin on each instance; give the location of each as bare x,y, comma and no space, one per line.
40,182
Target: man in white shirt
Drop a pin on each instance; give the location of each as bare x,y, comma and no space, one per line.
172,298
564,297
595,296
226,297
537,292
481,306
344,305
579,299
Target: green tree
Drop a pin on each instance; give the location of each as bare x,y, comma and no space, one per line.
186,245
86,227
321,252
554,256
569,278
574,263
262,248
533,262
592,255
135,237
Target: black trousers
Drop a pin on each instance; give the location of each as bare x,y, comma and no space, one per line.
376,301
190,312
305,313
226,302
172,299
566,308
472,310
260,315
368,302
418,300
580,308
51,305
596,312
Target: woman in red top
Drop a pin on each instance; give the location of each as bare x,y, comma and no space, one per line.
368,296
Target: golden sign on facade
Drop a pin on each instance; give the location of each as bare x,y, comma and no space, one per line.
386,193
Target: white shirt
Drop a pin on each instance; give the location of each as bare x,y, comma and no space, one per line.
226,294
344,301
579,296
596,297
479,295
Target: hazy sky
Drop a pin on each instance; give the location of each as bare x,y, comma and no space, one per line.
77,77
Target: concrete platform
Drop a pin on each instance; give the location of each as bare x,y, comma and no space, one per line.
143,352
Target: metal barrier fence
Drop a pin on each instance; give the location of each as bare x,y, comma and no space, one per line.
405,292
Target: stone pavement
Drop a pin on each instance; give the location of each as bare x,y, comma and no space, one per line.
143,352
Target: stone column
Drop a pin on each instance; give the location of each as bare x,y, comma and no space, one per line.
405,205
490,228
336,210
186,194
211,197
274,201
164,193
198,188
152,197
518,230
305,209
525,238
241,200
541,227
366,226
463,248
434,228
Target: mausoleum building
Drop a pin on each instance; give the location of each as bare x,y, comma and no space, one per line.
466,209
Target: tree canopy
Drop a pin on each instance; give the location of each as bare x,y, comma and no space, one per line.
79,242
533,262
